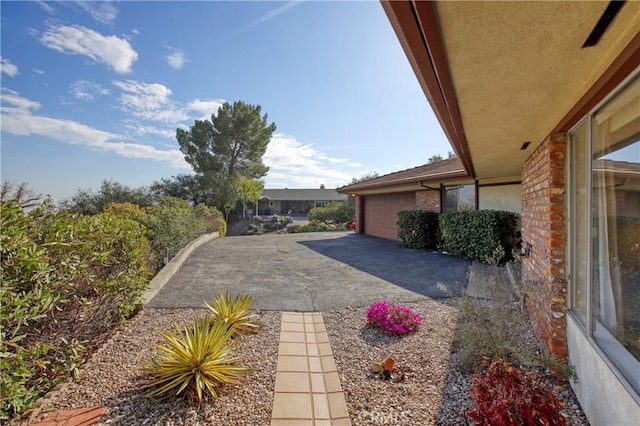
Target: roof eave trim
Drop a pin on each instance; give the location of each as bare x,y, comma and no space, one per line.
434,177
417,28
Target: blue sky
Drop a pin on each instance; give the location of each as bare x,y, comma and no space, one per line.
96,90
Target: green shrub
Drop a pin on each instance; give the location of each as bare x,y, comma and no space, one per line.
418,229
504,395
313,226
29,297
488,236
174,224
336,212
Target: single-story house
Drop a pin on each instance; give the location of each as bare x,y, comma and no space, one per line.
438,187
296,201
541,101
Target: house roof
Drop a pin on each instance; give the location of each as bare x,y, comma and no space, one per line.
427,173
303,195
499,74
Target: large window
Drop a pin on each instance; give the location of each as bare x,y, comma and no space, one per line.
459,197
604,225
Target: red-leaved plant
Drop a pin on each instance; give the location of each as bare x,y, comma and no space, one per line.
505,395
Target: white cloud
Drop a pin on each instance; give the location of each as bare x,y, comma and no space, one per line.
206,108
86,90
270,15
294,164
38,71
150,130
102,11
150,101
18,119
8,68
46,7
115,52
176,58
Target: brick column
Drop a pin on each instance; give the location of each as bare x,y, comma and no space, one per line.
428,200
359,202
543,228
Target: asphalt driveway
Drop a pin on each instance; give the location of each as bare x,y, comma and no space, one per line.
311,272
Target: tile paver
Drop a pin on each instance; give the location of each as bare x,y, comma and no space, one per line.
307,389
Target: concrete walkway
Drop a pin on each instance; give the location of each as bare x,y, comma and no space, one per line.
307,389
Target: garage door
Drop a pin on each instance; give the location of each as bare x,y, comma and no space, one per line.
381,213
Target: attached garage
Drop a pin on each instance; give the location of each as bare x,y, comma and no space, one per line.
381,213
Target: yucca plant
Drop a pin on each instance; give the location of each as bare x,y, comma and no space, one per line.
195,361
234,312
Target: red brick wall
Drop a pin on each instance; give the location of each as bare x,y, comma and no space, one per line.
381,213
543,227
359,214
428,200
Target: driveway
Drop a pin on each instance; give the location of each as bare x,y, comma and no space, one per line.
311,272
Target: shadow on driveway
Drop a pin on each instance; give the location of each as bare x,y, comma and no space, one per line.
418,271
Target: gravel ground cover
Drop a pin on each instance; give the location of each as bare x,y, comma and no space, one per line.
432,392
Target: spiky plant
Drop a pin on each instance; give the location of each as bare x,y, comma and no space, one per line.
195,361
234,312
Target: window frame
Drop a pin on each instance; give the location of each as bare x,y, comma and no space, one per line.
589,327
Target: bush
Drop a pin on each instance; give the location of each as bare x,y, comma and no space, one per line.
336,212
27,298
66,279
394,319
195,361
418,229
173,224
488,236
313,226
505,395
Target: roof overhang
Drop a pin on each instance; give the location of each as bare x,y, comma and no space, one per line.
499,74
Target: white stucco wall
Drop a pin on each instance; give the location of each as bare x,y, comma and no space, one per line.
604,399
500,197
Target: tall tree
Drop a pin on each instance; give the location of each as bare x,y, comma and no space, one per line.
227,149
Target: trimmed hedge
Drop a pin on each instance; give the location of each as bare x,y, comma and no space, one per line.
336,212
418,229
488,236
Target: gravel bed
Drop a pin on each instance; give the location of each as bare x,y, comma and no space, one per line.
432,392
112,377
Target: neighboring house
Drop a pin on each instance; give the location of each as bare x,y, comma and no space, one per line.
546,94
296,201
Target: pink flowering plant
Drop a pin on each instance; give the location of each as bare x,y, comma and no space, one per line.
394,319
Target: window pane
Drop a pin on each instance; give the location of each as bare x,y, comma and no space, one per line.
578,225
467,197
616,229
451,199
459,197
